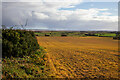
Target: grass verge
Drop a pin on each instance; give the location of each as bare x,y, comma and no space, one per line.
33,66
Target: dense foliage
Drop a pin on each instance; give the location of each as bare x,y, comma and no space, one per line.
18,43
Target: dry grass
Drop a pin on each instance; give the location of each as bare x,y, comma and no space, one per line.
80,57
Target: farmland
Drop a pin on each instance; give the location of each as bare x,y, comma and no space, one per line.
81,57
77,33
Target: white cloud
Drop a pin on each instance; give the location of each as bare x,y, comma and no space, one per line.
106,13
39,15
89,14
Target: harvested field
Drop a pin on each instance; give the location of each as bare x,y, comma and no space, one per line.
80,57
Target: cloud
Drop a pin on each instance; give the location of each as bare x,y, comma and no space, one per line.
49,15
89,14
39,15
106,13
0,14
60,0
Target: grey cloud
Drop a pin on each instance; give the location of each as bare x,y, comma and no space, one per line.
48,16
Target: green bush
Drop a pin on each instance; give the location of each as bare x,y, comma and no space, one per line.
18,43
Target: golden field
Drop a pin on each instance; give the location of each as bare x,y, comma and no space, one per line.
80,57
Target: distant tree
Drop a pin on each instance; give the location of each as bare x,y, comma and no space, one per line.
26,22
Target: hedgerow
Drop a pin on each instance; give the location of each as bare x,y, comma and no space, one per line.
18,43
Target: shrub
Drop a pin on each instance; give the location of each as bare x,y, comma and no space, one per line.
18,43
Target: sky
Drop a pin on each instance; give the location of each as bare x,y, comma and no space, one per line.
74,15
